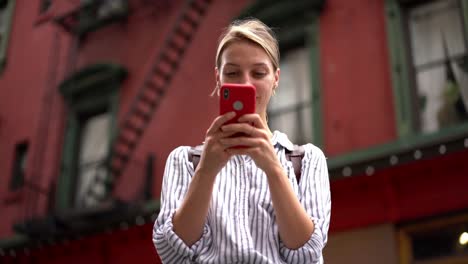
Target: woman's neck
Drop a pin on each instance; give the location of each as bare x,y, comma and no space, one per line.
264,118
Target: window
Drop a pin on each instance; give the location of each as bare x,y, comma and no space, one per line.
290,109
91,95
438,240
438,46
89,133
6,14
19,166
93,150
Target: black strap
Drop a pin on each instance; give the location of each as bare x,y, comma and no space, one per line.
295,156
194,155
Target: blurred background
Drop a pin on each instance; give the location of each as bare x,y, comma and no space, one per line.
94,94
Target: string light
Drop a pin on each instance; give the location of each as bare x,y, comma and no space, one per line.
417,154
442,149
372,167
463,240
347,171
370,170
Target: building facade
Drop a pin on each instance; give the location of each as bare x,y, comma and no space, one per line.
95,94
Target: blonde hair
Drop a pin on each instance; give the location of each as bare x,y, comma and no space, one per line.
251,30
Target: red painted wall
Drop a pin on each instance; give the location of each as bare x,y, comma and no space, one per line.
358,107
35,65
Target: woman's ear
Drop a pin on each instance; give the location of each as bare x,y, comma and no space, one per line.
217,85
277,76
217,77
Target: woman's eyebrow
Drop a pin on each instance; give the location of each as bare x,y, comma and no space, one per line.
255,64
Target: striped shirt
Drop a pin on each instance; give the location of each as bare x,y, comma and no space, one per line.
241,225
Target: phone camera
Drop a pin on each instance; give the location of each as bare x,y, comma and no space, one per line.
226,93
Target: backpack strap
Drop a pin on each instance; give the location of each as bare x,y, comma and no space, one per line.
194,155
295,156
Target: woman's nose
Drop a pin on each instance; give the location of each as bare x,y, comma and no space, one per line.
245,79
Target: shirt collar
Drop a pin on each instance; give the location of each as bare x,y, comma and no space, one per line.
282,139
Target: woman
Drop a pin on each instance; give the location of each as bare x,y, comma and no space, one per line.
244,205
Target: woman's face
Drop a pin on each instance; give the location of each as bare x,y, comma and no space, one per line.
243,62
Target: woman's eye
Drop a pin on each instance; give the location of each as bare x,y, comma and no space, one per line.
259,74
230,74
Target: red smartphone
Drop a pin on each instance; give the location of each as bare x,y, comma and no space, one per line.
239,98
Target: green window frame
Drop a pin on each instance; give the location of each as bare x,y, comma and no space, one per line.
6,18
92,90
410,144
19,166
295,28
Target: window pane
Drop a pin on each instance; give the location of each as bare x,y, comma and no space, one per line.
91,185
294,84
443,96
93,150
290,109
296,123
306,125
286,123
94,138
430,26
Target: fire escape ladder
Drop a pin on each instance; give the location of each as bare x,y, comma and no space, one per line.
155,84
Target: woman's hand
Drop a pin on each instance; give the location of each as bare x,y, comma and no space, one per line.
294,224
256,143
190,216
214,156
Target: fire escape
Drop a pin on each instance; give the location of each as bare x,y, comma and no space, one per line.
90,16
